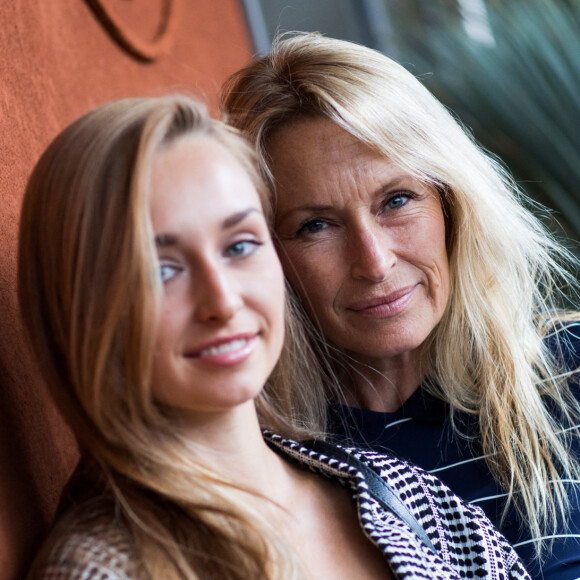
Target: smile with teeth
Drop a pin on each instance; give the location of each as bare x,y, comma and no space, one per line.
228,351
224,348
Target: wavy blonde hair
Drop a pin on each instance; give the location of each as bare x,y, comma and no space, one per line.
488,355
89,291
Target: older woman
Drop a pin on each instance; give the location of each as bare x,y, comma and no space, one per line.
433,287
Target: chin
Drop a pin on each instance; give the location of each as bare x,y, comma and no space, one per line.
386,351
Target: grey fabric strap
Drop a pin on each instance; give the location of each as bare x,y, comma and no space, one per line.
377,487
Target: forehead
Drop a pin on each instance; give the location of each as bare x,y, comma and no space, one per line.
317,135
197,179
317,160
315,149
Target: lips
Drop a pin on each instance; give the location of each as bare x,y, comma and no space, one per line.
230,346
225,351
386,305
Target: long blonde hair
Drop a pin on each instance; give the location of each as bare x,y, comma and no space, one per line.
88,290
488,355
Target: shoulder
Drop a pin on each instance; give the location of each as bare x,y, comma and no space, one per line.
84,546
464,539
461,532
422,492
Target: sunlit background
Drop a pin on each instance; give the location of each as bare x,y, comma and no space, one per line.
509,69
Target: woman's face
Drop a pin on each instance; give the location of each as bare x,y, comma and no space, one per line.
221,326
361,241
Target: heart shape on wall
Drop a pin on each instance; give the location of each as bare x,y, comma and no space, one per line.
122,33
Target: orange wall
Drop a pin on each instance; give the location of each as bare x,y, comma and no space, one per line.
60,58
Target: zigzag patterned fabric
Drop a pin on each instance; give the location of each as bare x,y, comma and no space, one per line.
467,544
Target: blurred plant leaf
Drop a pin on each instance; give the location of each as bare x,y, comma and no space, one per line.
520,95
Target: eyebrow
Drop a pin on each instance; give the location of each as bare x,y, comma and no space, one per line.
165,240
168,240
238,217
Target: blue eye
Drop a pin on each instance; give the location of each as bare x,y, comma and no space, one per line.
242,248
167,272
311,227
397,201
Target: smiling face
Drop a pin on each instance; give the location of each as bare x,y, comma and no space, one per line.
221,325
361,241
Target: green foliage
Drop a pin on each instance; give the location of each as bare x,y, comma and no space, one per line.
519,92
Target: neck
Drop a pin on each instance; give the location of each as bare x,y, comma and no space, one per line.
382,385
232,445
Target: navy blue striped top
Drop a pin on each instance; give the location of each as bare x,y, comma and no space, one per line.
420,431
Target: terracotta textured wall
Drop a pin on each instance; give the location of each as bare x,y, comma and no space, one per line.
59,58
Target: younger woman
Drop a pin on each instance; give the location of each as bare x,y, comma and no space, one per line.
154,300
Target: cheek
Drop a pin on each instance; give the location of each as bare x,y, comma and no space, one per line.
270,293
440,247
425,240
173,317
313,274
166,328
435,244
164,339
273,303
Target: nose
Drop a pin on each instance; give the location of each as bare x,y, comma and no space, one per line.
216,296
372,256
